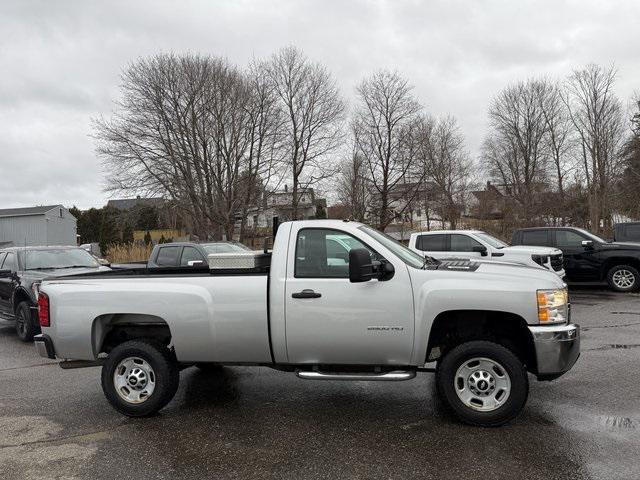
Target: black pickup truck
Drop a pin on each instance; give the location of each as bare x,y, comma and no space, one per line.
587,257
21,271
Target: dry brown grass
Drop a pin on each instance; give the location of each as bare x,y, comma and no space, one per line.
131,252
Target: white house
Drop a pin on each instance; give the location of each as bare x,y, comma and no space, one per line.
44,225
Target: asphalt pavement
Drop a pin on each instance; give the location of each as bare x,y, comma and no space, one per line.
250,423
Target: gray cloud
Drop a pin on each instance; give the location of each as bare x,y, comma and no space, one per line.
60,62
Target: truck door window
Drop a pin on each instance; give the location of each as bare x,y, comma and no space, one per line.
168,256
567,238
463,243
190,254
324,253
2,255
10,262
432,243
535,237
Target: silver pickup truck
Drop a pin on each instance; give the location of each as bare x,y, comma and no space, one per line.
337,300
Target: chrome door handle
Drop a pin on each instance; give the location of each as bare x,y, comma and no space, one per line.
306,293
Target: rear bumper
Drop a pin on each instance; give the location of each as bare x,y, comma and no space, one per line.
44,346
557,349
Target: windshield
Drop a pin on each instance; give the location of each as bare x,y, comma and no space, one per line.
591,235
491,240
225,247
58,258
409,257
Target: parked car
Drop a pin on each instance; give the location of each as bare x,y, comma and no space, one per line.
383,314
477,244
587,257
21,271
626,232
190,254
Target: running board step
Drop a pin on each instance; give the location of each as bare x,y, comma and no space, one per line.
395,376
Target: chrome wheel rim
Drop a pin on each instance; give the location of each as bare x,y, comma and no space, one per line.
482,384
623,278
134,380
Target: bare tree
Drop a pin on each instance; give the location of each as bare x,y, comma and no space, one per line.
182,129
352,186
596,114
313,112
559,137
265,153
447,165
384,127
515,148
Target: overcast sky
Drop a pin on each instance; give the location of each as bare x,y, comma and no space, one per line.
60,62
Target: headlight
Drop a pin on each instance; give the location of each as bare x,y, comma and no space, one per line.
553,306
35,288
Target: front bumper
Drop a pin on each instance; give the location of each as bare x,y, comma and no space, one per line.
557,349
44,346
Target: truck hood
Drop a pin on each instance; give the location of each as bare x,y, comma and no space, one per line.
624,245
486,271
530,250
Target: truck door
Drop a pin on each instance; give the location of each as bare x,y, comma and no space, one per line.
7,282
463,246
332,321
580,262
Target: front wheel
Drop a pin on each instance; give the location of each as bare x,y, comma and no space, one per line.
483,383
140,377
623,278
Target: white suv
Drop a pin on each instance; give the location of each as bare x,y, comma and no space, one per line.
477,244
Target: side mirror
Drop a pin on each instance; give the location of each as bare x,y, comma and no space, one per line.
5,273
588,244
481,249
360,265
195,263
363,269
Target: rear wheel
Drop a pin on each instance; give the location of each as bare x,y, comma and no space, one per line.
483,383
140,377
25,323
623,278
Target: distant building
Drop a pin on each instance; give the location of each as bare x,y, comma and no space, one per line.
279,204
45,225
488,204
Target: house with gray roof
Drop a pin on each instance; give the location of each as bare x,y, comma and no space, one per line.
36,226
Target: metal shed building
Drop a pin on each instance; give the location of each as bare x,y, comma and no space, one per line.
45,225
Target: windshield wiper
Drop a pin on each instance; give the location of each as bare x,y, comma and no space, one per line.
42,268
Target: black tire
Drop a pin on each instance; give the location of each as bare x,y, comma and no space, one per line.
26,326
623,273
165,372
511,365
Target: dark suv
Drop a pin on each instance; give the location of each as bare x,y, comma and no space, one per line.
587,257
22,269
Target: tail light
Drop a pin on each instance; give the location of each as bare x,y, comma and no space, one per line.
43,310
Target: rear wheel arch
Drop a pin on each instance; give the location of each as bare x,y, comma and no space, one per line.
21,295
454,327
111,330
